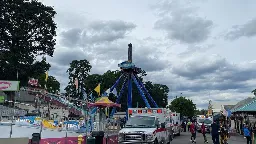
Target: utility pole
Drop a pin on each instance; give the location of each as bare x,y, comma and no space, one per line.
49,115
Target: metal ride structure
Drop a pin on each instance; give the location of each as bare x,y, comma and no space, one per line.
129,73
54,99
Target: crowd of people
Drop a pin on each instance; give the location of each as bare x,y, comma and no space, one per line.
220,131
118,121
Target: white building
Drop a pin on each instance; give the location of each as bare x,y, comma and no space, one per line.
217,105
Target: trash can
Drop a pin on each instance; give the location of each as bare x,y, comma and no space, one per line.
99,136
90,140
36,137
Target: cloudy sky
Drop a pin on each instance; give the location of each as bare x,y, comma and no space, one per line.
201,48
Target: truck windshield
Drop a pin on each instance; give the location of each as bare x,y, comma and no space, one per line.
141,121
200,121
207,121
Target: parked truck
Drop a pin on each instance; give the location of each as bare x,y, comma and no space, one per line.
146,125
175,122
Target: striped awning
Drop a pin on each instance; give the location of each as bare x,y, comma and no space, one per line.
250,107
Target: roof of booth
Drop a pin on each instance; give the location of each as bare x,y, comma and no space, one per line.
249,107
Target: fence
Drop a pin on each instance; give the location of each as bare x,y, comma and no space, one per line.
5,111
112,139
14,140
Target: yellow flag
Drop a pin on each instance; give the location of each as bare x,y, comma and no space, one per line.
97,89
46,76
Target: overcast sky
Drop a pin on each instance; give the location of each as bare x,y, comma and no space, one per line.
201,48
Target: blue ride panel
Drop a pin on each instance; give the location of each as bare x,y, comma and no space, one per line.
119,97
126,65
141,92
129,98
149,96
116,83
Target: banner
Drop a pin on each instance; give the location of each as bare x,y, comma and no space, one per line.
33,82
9,85
9,112
1,99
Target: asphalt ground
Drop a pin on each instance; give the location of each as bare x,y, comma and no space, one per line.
184,138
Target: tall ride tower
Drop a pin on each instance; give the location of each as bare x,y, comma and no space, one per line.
130,72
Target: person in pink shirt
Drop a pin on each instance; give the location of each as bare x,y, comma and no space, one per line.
204,132
193,132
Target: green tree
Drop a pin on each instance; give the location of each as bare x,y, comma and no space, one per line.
27,31
106,80
52,85
184,106
79,69
201,112
159,93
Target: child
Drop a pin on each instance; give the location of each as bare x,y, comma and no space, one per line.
247,135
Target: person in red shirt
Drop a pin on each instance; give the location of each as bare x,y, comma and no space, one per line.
193,132
204,132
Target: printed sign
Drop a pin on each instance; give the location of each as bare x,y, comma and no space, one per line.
9,85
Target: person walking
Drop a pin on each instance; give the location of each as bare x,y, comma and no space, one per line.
247,134
204,132
184,126
215,132
193,132
189,123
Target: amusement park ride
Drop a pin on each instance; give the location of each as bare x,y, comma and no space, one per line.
130,72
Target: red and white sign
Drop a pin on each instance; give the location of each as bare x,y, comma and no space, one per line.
33,82
9,85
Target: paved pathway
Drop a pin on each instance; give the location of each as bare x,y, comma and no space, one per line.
185,139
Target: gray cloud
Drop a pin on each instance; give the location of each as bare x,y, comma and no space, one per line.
194,69
112,25
64,56
149,64
180,23
107,31
246,30
193,49
207,73
186,29
97,32
71,38
218,75
206,85
59,70
70,19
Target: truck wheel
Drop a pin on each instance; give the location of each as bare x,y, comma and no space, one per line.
155,141
178,133
171,137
